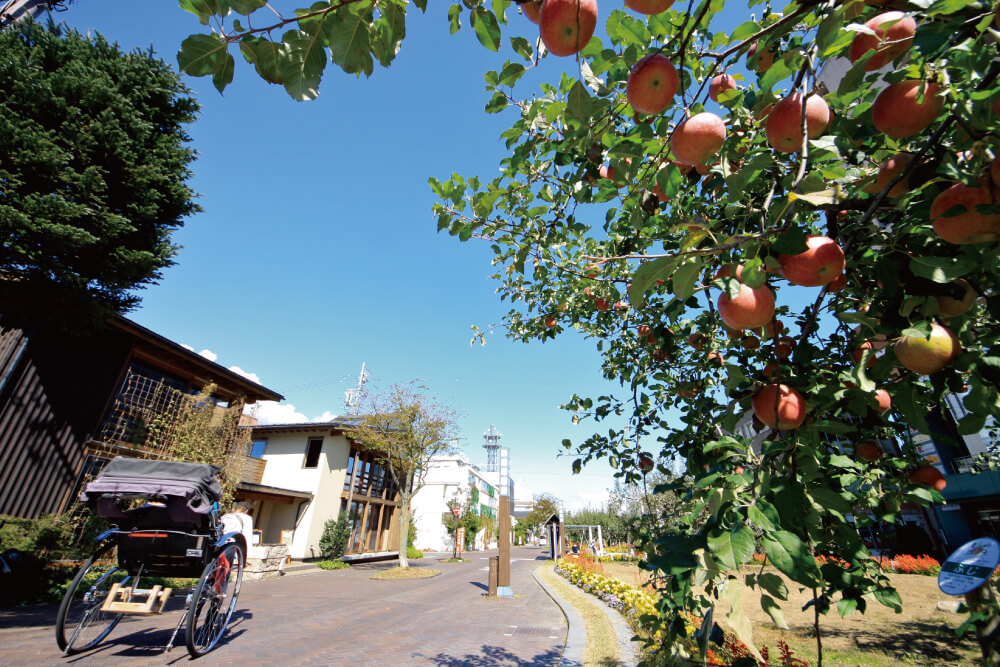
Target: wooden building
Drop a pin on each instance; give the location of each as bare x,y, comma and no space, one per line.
58,394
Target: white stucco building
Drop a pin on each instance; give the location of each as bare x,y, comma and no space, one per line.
450,476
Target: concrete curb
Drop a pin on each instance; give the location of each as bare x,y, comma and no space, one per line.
629,652
576,635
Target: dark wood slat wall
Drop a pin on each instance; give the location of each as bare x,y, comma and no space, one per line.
54,397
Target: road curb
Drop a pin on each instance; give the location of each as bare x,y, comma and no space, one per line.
576,634
629,653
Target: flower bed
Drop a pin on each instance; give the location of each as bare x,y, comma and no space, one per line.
902,564
632,602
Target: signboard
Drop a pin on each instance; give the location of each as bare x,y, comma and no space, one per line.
460,540
969,566
456,510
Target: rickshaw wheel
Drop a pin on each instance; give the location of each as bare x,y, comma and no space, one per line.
214,600
81,625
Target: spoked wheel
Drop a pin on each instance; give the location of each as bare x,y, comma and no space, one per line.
214,600
81,624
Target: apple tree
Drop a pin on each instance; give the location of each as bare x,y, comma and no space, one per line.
781,232
782,235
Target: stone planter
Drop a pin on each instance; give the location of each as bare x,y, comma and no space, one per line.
265,561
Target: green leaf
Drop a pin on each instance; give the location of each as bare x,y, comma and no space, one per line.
684,278
846,606
941,269
203,9
201,55
455,18
737,618
350,46
793,242
855,75
264,55
731,547
890,598
578,103
223,74
744,30
497,103
821,198
487,28
905,401
789,554
302,63
522,47
246,7
773,584
646,275
772,609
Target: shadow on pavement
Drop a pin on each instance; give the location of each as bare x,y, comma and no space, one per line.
480,584
30,616
494,656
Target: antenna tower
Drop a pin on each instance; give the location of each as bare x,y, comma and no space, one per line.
352,397
492,447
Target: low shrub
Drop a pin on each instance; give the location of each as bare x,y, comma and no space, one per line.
332,564
413,552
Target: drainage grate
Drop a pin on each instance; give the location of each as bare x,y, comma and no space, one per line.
529,631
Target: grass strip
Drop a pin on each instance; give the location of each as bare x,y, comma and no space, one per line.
406,573
602,642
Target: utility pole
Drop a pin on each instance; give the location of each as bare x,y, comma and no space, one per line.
352,397
503,580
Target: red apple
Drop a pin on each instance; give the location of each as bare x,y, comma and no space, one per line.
532,9
643,330
889,43
883,399
859,352
753,307
995,171
645,463
719,84
649,6
761,59
750,342
928,476
689,389
550,321
727,272
601,305
783,347
779,406
659,355
928,355
822,261
897,113
696,340
892,168
716,357
770,371
869,450
652,84
951,307
784,123
969,226
773,328
567,25
698,138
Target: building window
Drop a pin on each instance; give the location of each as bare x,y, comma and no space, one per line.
312,452
257,448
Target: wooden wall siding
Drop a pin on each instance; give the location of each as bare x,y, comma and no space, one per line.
253,470
54,397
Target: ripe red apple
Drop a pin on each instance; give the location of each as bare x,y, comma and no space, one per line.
773,328
783,347
532,9
727,272
761,59
883,399
970,226
601,305
784,123
779,406
770,371
689,389
716,357
567,25
753,307
649,6
697,341
951,307
750,342
608,172
928,476
645,463
869,450
550,321
822,261
928,356
643,330
652,84
858,352
889,42
698,138
891,168
659,355
719,84
897,113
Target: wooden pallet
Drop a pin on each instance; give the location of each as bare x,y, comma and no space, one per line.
119,600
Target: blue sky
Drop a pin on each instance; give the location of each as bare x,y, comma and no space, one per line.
317,250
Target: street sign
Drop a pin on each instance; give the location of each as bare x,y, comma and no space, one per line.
456,510
970,566
459,540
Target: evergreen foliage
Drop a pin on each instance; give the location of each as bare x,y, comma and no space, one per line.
93,175
336,533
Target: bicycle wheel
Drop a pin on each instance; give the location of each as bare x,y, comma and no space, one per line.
81,624
214,600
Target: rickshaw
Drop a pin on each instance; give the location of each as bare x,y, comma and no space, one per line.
164,518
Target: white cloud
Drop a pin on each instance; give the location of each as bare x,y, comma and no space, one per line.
187,347
325,417
208,354
272,412
248,375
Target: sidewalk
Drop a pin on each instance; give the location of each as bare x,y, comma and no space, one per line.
338,618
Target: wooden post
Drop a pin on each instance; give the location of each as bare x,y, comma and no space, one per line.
504,542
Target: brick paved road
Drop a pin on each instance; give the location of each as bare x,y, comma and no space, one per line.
336,618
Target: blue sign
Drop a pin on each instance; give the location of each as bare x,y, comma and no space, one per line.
969,566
